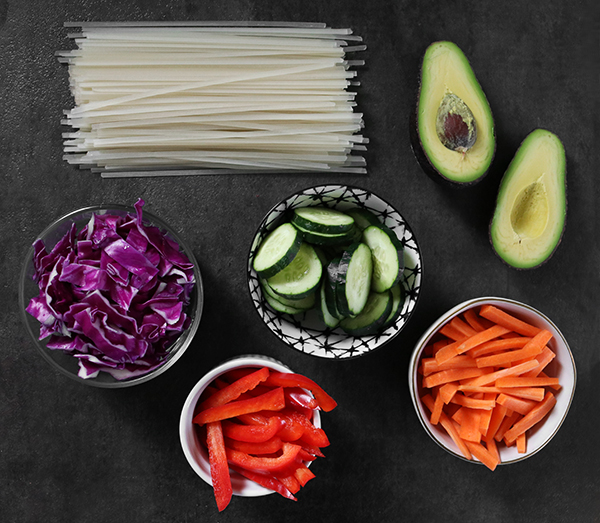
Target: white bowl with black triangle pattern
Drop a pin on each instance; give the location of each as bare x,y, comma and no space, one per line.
306,332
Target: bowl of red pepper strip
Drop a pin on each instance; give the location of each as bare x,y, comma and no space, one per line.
251,427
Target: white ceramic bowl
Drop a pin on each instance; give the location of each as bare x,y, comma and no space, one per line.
64,362
196,453
306,332
562,366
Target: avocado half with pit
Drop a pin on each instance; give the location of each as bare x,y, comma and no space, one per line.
531,207
452,129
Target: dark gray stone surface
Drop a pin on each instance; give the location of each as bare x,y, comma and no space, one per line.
70,453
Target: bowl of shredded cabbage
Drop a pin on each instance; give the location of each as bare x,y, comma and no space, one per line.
111,296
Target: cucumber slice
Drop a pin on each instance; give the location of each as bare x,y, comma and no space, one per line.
301,277
331,282
388,260
369,321
322,220
363,218
326,316
326,239
276,305
397,301
354,279
304,304
277,250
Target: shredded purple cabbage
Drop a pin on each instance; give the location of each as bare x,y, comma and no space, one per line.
113,295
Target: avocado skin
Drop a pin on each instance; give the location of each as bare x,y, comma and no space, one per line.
419,152
562,232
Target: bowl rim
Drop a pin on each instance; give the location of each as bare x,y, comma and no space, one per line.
198,297
332,186
435,326
242,487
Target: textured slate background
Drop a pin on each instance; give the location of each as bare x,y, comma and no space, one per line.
74,453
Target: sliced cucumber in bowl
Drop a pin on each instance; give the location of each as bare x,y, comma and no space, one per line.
276,304
302,304
322,220
277,250
388,259
301,277
374,314
354,279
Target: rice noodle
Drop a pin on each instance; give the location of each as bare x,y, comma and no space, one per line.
193,98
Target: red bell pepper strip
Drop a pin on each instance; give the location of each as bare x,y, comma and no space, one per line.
264,463
219,468
297,397
267,481
304,455
312,435
252,433
303,474
264,447
234,390
254,418
273,400
285,379
290,482
315,451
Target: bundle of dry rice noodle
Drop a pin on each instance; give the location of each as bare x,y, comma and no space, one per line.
158,99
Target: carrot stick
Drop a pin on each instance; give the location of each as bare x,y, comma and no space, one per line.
430,365
508,421
528,393
448,391
462,326
458,414
438,345
446,376
450,428
499,345
519,405
507,320
544,360
478,323
492,447
470,343
522,443
498,414
534,416
555,387
472,403
448,352
469,428
450,331
482,454
521,381
491,377
486,415
437,409
533,347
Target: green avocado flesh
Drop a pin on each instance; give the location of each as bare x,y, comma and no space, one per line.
531,207
454,119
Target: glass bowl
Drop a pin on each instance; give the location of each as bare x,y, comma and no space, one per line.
306,332
64,362
562,366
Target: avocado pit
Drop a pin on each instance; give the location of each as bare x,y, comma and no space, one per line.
455,124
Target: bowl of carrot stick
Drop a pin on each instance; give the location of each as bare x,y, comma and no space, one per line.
492,381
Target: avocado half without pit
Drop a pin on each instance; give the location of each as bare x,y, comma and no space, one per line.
452,129
531,206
